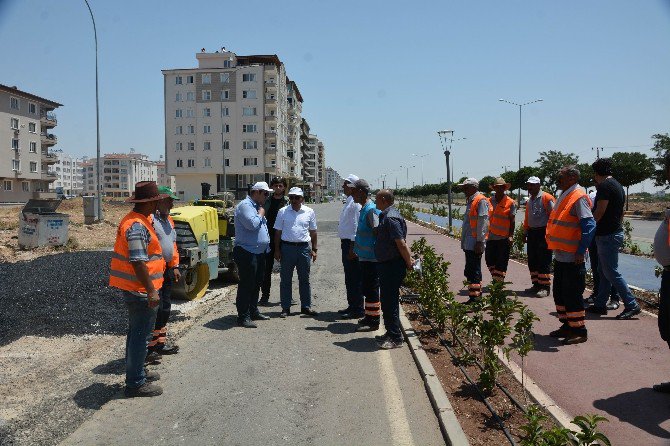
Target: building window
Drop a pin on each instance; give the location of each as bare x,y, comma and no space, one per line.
13,103
180,163
225,78
189,79
14,123
226,128
191,129
191,146
208,162
226,145
207,113
249,111
227,163
206,145
178,80
178,146
191,162
249,94
190,96
225,94
15,144
206,95
206,129
178,113
33,166
273,162
250,144
32,108
189,113
178,130
25,186
33,147
7,185
249,128
248,77
32,128
178,97
16,165
225,111
207,78
250,161
227,63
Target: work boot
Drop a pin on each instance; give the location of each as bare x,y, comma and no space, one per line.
153,358
260,317
145,390
575,338
368,324
151,375
562,332
246,323
344,310
389,343
264,302
628,314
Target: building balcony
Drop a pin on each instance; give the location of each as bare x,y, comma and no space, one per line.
271,118
43,195
271,134
48,119
49,158
49,176
270,100
49,139
270,150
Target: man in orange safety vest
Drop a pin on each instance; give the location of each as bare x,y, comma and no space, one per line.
501,230
473,235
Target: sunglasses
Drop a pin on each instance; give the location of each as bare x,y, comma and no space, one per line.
294,197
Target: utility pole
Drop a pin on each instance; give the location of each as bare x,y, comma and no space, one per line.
597,149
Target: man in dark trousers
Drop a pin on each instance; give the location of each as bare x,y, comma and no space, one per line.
346,231
276,201
393,261
538,208
609,238
501,230
473,235
662,255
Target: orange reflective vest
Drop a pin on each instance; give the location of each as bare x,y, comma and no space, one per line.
501,217
175,251
472,215
122,274
546,198
563,229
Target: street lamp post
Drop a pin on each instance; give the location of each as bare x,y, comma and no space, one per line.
447,152
407,168
520,106
422,157
97,119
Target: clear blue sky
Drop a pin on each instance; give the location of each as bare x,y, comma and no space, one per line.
379,78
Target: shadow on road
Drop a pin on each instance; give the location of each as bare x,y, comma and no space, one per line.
113,367
336,328
223,323
97,395
545,343
643,408
359,345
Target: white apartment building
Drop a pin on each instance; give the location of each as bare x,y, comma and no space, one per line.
241,106
120,172
163,178
69,174
25,142
333,181
314,169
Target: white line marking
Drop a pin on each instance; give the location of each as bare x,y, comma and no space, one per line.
396,413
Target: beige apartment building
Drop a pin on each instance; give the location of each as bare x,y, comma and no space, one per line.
314,166
239,110
26,123
69,174
120,172
163,178
334,182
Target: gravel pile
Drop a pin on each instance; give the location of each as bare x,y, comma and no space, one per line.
58,295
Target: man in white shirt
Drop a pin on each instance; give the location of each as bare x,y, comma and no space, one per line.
295,228
347,233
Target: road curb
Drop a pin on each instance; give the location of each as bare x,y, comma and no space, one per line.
451,429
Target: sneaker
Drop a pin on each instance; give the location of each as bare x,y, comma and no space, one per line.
368,327
597,310
151,375
309,312
171,349
382,338
628,314
575,339
284,313
146,389
246,323
613,305
542,293
389,343
153,358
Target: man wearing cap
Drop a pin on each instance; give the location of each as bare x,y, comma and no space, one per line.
252,242
137,269
570,229
295,228
473,235
538,208
276,201
164,227
346,231
501,230
364,250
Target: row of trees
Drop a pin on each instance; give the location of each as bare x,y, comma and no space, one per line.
629,168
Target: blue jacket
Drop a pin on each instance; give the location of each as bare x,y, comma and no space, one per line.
364,245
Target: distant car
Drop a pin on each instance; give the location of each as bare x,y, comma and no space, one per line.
344,201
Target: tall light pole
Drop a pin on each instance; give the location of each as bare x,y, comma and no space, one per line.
451,141
97,119
422,157
441,134
407,168
518,196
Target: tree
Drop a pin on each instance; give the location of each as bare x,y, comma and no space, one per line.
630,168
458,189
549,163
485,183
662,149
586,175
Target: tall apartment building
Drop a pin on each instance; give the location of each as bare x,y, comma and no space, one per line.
163,178
25,124
69,174
314,169
120,172
333,181
243,106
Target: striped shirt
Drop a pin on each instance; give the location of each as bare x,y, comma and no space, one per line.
138,238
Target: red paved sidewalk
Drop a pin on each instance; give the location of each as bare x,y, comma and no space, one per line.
611,374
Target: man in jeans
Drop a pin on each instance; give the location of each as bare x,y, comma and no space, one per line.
609,239
393,261
346,231
252,242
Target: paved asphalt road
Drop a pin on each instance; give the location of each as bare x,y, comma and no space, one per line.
298,381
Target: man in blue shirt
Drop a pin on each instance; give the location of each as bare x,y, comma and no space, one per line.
252,242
